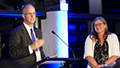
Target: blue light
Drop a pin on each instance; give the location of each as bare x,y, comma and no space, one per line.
72,27
73,38
62,30
18,15
82,27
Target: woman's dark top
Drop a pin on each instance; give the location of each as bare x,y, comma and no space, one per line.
101,52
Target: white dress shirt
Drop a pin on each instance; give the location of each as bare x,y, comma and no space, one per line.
38,55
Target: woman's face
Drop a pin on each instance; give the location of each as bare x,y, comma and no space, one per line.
99,26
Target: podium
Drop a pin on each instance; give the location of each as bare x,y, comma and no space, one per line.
66,62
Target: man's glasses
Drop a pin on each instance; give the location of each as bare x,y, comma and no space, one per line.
34,13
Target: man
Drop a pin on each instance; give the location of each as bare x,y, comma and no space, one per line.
23,46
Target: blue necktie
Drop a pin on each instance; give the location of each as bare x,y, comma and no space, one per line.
32,35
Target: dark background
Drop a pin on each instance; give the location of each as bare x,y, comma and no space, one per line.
78,18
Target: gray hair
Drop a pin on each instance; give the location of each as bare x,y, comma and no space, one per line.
24,6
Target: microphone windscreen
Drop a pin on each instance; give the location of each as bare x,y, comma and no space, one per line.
53,32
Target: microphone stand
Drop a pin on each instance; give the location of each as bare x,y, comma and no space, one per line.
64,43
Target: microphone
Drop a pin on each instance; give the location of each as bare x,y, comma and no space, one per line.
64,43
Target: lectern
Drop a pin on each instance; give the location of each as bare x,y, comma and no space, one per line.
66,61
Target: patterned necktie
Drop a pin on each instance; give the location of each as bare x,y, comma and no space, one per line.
33,38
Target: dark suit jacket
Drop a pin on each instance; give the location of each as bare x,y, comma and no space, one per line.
19,40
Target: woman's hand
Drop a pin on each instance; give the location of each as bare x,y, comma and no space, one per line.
99,66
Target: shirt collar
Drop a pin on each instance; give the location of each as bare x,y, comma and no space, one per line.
27,27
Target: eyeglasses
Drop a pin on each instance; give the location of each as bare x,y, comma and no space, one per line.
34,13
99,24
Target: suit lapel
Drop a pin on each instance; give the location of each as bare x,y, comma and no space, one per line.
25,33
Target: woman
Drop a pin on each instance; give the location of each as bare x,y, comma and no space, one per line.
101,46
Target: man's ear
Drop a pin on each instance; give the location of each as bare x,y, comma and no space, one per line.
23,16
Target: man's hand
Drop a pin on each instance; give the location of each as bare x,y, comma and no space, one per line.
38,43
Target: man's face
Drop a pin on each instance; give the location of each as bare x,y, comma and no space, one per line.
29,15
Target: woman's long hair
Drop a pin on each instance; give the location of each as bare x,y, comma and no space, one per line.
93,34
